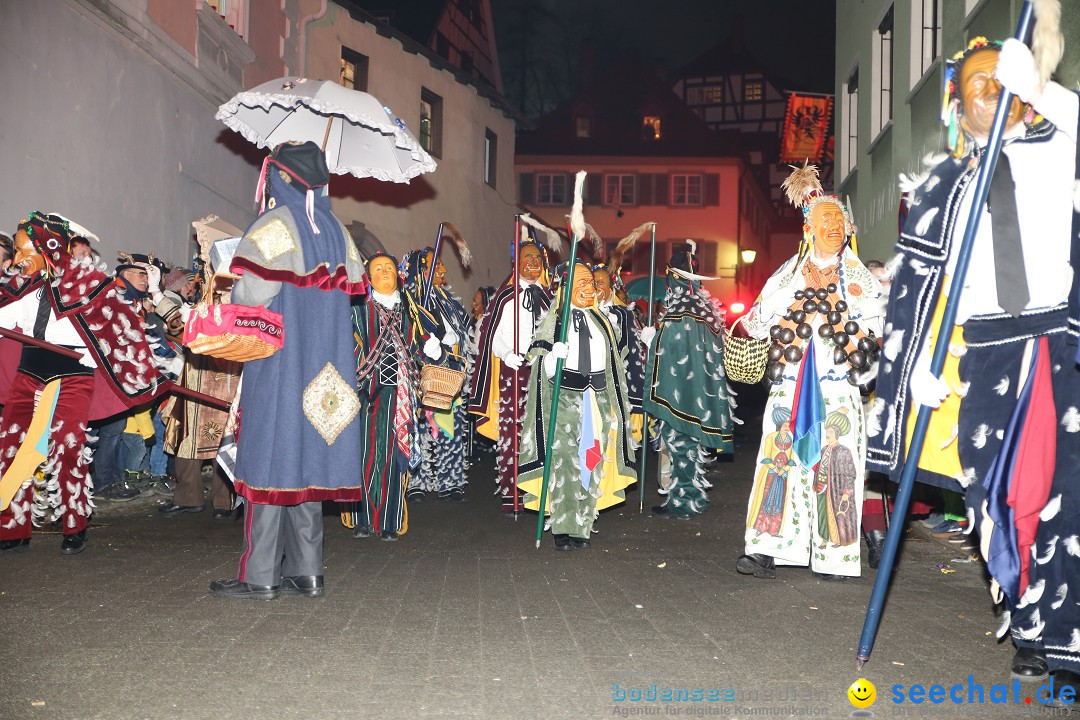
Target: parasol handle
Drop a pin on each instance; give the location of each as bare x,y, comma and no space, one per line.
326,135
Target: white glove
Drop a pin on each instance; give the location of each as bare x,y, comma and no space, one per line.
647,335
776,305
926,388
432,348
86,361
450,339
153,277
513,361
560,350
1016,71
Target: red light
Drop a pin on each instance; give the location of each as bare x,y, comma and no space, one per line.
738,308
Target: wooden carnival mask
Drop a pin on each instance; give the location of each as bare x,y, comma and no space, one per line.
530,263
27,257
827,225
980,92
383,274
440,270
583,293
602,280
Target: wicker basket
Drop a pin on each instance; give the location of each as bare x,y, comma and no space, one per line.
233,332
439,386
745,358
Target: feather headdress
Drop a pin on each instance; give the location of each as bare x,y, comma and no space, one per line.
464,253
618,255
804,191
1047,40
554,239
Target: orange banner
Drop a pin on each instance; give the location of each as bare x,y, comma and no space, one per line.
805,126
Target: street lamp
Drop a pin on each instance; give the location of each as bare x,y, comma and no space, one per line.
746,258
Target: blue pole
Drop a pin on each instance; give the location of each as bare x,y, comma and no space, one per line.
431,270
941,347
643,456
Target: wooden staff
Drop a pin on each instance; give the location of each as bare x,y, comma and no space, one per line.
76,355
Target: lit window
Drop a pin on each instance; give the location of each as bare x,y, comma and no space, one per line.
753,90
650,127
430,122
354,68
583,126
705,95
685,189
551,189
620,190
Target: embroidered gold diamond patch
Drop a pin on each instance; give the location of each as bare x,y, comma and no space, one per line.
273,240
330,403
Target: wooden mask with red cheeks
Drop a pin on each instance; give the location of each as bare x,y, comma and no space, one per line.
530,263
583,293
383,275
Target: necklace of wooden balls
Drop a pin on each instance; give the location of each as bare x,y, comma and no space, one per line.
850,343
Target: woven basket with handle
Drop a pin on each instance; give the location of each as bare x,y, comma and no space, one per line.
745,358
440,385
233,332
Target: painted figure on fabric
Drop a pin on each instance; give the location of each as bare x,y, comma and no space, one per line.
834,486
501,367
299,432
440,328
823,311
767,505
387,375
593,421
1015,378
70,304
686,388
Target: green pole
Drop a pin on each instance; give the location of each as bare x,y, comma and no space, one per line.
564,298
643,457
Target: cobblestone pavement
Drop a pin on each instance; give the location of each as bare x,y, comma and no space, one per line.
463,617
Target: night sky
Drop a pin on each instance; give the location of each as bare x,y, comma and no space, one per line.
541,41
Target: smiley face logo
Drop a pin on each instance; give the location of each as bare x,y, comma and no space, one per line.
862,693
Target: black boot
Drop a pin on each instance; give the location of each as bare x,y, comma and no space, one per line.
20,545
74,543
1029,663
875,545
758,565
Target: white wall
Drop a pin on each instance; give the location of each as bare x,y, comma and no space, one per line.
404,217
97,130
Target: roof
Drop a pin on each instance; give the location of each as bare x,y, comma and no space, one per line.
726,58
616,102
416,19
